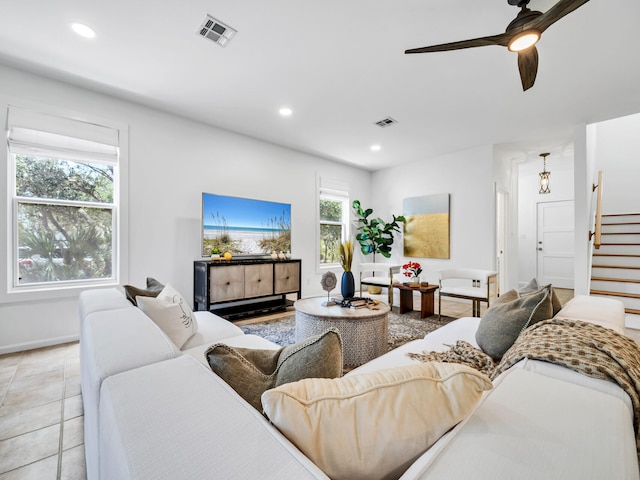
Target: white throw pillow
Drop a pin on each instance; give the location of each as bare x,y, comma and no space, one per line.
171,313
374,425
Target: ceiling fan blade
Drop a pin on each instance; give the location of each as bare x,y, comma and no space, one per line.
528,66
502,40
555,13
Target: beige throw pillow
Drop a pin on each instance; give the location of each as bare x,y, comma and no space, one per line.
374,425
171,313
507,297
252,371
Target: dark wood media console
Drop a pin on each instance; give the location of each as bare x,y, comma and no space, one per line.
237,288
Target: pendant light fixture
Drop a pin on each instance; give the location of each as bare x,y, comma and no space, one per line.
544,175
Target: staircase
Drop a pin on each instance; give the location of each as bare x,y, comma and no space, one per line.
615,270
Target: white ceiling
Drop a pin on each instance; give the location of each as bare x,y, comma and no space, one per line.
340,66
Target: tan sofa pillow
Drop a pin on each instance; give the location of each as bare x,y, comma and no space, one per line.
534,287
507,297
374,425
252,371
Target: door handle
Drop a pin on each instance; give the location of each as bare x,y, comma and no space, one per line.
540,248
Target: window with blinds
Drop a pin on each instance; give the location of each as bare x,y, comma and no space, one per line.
333,219
64,198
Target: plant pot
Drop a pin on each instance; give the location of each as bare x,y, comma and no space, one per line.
348,286
374,289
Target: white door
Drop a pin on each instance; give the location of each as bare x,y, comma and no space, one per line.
555,244
502,214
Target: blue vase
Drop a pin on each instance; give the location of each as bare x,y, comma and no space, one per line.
348,286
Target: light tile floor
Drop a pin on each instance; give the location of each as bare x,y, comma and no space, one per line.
41,418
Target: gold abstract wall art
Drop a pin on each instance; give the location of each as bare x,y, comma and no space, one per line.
426,228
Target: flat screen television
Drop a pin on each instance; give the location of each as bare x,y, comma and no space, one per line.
244,226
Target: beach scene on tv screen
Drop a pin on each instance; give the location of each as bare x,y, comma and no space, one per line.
244,226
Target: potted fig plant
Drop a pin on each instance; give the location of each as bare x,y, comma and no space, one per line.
375,235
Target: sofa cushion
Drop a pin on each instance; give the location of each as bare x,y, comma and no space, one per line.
171,313
97,300
176,420
211,329
607,312
154,287
252,371
501,324
531,427
374,425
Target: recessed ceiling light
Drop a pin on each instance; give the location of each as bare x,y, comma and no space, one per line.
285,112
82,30
375,148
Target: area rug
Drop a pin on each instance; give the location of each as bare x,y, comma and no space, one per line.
402,328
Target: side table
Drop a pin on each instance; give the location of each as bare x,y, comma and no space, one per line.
426,295
364,331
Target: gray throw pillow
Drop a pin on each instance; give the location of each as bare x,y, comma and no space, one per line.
250,372
501,325
154,287
530,287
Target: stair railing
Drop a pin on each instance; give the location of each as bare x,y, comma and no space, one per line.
597,229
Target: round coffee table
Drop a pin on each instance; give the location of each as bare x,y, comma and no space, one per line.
364,331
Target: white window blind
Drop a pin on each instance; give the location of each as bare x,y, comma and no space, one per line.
41,134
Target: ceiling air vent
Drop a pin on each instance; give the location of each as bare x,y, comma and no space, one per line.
386,122
216,31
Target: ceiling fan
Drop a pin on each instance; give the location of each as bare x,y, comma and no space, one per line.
520,36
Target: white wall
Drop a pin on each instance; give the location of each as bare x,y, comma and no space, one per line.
560,164
616,151
171,162
583,165
468,177
505,169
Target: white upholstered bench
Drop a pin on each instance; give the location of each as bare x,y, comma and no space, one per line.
470,284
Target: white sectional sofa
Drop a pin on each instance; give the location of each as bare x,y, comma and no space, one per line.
153,411
117,337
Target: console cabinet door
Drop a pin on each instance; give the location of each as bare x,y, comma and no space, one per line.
258,280
287,277
226,283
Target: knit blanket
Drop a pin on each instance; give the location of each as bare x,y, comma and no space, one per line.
586,348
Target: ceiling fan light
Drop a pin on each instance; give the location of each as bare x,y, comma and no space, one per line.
524,41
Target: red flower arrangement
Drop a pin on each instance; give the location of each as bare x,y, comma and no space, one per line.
412,269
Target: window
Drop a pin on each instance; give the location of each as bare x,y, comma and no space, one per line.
64,194
334,215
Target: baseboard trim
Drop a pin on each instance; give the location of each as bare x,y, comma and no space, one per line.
19,347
